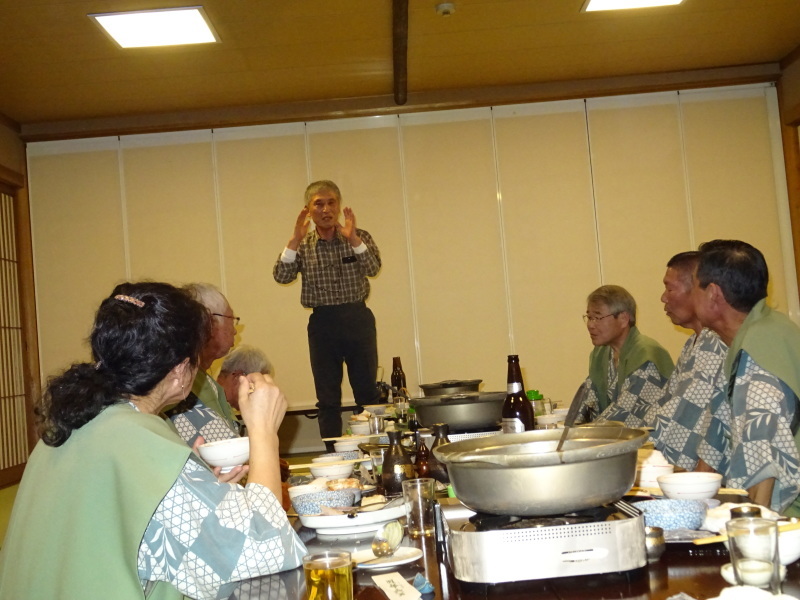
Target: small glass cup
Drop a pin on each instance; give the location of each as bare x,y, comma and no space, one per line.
329,575
377,456
753,546
419,496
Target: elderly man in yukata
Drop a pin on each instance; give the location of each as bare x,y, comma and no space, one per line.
206,412
751,439
680,418
627,370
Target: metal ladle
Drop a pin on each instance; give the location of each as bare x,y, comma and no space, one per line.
572,414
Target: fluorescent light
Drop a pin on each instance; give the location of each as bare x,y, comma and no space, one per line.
595,5
164,27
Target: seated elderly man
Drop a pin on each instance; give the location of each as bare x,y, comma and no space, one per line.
205,412
680,417
242,360
627,370
752,439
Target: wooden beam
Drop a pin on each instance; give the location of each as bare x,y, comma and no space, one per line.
400,50
384,105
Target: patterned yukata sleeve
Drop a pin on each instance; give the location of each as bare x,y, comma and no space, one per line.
640,391
762,443
683,416
590,407
206,536
201,420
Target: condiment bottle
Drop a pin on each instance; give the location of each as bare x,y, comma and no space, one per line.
437,469
422,458
538,402
413,423
397,466
517,413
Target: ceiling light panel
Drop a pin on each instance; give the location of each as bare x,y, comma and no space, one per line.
166,27
596,5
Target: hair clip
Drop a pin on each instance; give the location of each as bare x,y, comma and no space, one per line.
97,365
129,300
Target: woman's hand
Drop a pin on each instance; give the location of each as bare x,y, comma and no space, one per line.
235,475
261,403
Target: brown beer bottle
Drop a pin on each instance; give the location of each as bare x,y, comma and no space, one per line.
397,466
423,457
398,376
517,413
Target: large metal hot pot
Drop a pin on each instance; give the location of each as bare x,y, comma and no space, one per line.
477,410
521,473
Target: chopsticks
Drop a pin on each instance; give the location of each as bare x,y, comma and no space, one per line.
346,438
721,538
349,461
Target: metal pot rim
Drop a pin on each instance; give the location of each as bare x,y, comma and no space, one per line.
459,398
537,448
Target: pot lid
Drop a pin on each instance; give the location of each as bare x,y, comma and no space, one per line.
450,383
455,399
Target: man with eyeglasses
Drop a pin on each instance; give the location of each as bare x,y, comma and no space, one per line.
206,412
335,261
627,370
681,417
754,438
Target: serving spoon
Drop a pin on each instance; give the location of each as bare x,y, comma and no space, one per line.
386,541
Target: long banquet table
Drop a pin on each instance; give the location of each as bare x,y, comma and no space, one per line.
686,568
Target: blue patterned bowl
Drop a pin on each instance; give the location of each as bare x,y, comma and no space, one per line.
311,504
673,514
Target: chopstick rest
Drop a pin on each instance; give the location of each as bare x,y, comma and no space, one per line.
723,537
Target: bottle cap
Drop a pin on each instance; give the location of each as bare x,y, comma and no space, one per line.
534,395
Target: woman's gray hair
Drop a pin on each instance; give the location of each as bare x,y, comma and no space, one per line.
322,185
247,359
616,298
209,296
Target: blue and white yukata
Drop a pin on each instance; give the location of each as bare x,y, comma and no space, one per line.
680,418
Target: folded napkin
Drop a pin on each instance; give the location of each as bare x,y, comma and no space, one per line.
396,587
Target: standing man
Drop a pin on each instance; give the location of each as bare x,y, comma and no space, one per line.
680,417
335,261
752,439
206,411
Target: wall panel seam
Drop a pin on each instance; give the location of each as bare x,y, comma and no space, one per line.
409,250
594,195
502,231
686,181
123,201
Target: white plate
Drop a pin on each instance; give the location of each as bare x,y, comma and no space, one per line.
362,521
402,555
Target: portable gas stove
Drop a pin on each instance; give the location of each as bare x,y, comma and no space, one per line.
496,549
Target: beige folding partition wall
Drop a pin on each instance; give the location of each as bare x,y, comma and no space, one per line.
493,224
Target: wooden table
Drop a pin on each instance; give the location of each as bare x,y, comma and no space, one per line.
311,411
686,568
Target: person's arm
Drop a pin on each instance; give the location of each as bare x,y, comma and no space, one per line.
761,493
703,467
288,266
263,406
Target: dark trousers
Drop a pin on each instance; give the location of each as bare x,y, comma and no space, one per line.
343,333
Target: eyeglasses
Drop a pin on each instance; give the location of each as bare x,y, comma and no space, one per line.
234,319
589,319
